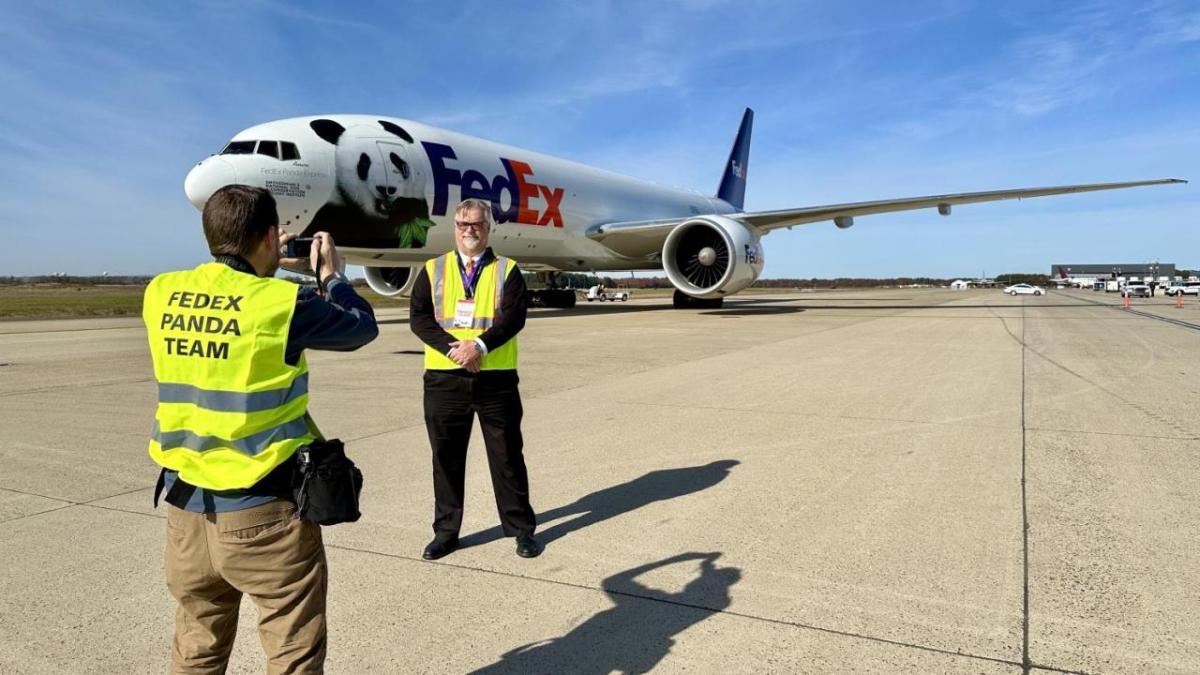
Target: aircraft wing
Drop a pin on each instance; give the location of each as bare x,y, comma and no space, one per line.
635,238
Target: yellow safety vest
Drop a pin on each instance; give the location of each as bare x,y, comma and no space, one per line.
446,284
229,408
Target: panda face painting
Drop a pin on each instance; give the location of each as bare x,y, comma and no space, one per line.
379,201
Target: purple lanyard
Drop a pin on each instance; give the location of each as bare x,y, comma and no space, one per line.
469,282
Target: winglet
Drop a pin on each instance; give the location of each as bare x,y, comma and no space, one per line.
733,181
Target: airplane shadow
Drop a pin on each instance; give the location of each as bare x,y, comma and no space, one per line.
617,500
754,311
637,632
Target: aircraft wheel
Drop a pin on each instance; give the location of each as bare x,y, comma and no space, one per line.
682,300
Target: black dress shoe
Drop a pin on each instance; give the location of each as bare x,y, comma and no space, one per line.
440,548
528,547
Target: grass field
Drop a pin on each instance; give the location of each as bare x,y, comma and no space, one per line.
62,301
43,301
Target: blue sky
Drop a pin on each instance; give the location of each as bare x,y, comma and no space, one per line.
107,105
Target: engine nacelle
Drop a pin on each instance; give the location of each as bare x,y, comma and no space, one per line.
391,281
712,256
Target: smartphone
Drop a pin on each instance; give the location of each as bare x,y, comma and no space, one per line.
301,247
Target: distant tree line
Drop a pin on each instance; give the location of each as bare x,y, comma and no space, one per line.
73,280
1022,278
576,280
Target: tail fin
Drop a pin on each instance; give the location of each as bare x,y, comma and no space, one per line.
733,181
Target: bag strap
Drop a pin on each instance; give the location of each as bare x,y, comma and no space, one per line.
158,485
180,493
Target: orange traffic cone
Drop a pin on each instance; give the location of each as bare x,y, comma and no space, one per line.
1179,300
1126,305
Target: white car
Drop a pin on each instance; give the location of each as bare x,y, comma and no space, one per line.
1024,289
1188,289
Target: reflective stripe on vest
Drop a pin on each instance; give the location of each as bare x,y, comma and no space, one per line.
232,401
446,286
254,444
229,408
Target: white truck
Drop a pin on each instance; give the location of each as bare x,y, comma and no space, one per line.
601,293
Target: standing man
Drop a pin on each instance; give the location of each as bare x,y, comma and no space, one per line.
228,341
467,307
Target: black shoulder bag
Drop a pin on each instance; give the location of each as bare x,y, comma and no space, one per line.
326,484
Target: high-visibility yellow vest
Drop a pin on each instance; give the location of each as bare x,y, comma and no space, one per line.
446,284
229,408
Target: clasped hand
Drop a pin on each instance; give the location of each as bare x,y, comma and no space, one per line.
466,354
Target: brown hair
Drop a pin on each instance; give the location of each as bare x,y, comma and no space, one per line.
236,217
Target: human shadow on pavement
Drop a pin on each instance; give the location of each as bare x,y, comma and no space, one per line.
616,500
633,635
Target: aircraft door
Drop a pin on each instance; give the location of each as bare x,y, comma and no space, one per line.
407,203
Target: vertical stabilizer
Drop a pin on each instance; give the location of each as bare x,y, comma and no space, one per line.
733,181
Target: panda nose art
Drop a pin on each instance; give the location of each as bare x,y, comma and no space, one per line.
206,178
382,190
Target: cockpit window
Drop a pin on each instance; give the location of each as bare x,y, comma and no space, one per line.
239,148
269,148
278,149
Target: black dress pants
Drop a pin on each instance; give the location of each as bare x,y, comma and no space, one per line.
452,399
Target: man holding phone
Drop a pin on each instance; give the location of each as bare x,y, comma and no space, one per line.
467,307
227,340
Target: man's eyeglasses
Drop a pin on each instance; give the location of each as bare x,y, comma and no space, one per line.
477,225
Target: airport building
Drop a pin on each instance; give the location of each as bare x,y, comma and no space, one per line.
1155,271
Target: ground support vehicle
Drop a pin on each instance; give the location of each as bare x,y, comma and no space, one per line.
602,294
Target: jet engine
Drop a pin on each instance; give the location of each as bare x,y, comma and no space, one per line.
709,257
390,281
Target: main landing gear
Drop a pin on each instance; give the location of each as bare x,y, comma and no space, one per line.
551,296
684,301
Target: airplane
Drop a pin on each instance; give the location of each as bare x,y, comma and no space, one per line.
386,189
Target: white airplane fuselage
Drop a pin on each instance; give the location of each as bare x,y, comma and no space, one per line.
543,204
386,189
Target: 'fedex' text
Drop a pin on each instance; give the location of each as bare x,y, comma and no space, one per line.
474,185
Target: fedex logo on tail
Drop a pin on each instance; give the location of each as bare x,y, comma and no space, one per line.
474,185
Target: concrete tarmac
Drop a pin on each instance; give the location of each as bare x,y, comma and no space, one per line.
874,481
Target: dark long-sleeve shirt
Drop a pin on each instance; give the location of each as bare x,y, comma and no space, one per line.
509,320
343,322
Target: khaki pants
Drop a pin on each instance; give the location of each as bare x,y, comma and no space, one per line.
264,552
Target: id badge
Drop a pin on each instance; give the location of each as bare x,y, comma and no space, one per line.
464,314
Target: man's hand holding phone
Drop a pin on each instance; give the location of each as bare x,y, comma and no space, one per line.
303,254
326,255
293,253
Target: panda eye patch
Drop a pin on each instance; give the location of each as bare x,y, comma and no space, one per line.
400,164
364,166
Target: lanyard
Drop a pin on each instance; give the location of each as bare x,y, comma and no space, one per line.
469,283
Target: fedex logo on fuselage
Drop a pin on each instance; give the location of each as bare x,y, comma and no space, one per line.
474,185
